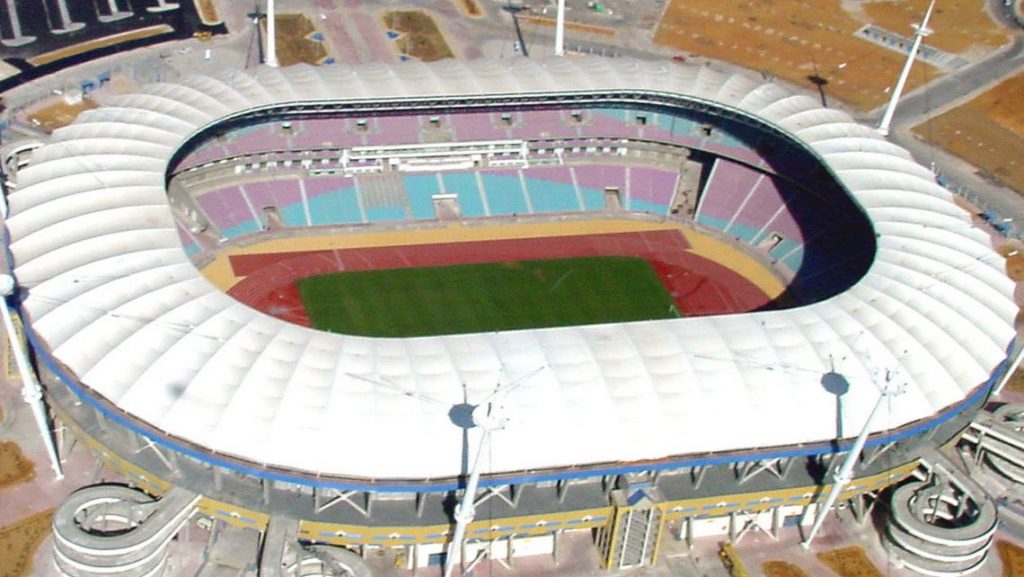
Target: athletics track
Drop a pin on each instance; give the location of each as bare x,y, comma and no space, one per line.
699,286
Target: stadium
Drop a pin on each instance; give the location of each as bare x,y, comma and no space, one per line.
161,241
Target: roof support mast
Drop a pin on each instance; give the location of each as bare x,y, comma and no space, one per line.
31,391
488,418
271,35
845,473
920,31
560,30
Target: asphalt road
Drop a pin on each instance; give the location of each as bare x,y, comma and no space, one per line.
1004,13
961,83
952,89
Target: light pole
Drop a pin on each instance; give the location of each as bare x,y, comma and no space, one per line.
560,29
271,35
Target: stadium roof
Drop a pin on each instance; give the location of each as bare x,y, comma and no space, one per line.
111,293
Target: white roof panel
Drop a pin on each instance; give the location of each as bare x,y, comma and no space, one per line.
112,294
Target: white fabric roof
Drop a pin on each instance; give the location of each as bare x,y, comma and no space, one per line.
113,295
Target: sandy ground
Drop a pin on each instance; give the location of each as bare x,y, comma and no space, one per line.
420,38
987,131
799,41
297,41
961,26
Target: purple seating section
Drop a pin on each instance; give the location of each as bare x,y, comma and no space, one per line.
601,176
226,208
750,205
741,196
238,209
652,185
385,130
544,124
654,132
763,210
606,126
470,126
323,185
325,133
272,193
478,126
556,174
260,138
727,188
737,199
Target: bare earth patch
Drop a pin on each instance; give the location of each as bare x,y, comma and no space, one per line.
576,26
987,132
961,26
1012,557
58,114
19,541
9,369
295,42
1016,385
420,37
781,569
792,39
849,562
471,8
15,468
815,42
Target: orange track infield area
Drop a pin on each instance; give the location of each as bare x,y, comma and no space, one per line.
698,285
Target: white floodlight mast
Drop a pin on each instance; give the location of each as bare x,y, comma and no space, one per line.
488,416
271,35
845,473
560,29
489,419
30,389
920,31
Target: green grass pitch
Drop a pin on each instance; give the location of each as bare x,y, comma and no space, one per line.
458,299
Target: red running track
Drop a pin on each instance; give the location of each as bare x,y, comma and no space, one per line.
699,286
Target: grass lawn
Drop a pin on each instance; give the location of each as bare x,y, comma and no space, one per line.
486,297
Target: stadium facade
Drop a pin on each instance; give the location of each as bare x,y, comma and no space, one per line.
701,423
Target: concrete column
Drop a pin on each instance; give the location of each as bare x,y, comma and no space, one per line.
163,6
115,13
66,24
18,39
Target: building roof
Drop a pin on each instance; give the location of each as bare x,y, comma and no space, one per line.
112,295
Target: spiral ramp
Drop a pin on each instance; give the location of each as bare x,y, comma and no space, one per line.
117,531
997,438
942,523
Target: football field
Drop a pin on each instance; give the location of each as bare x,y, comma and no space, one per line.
408,302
